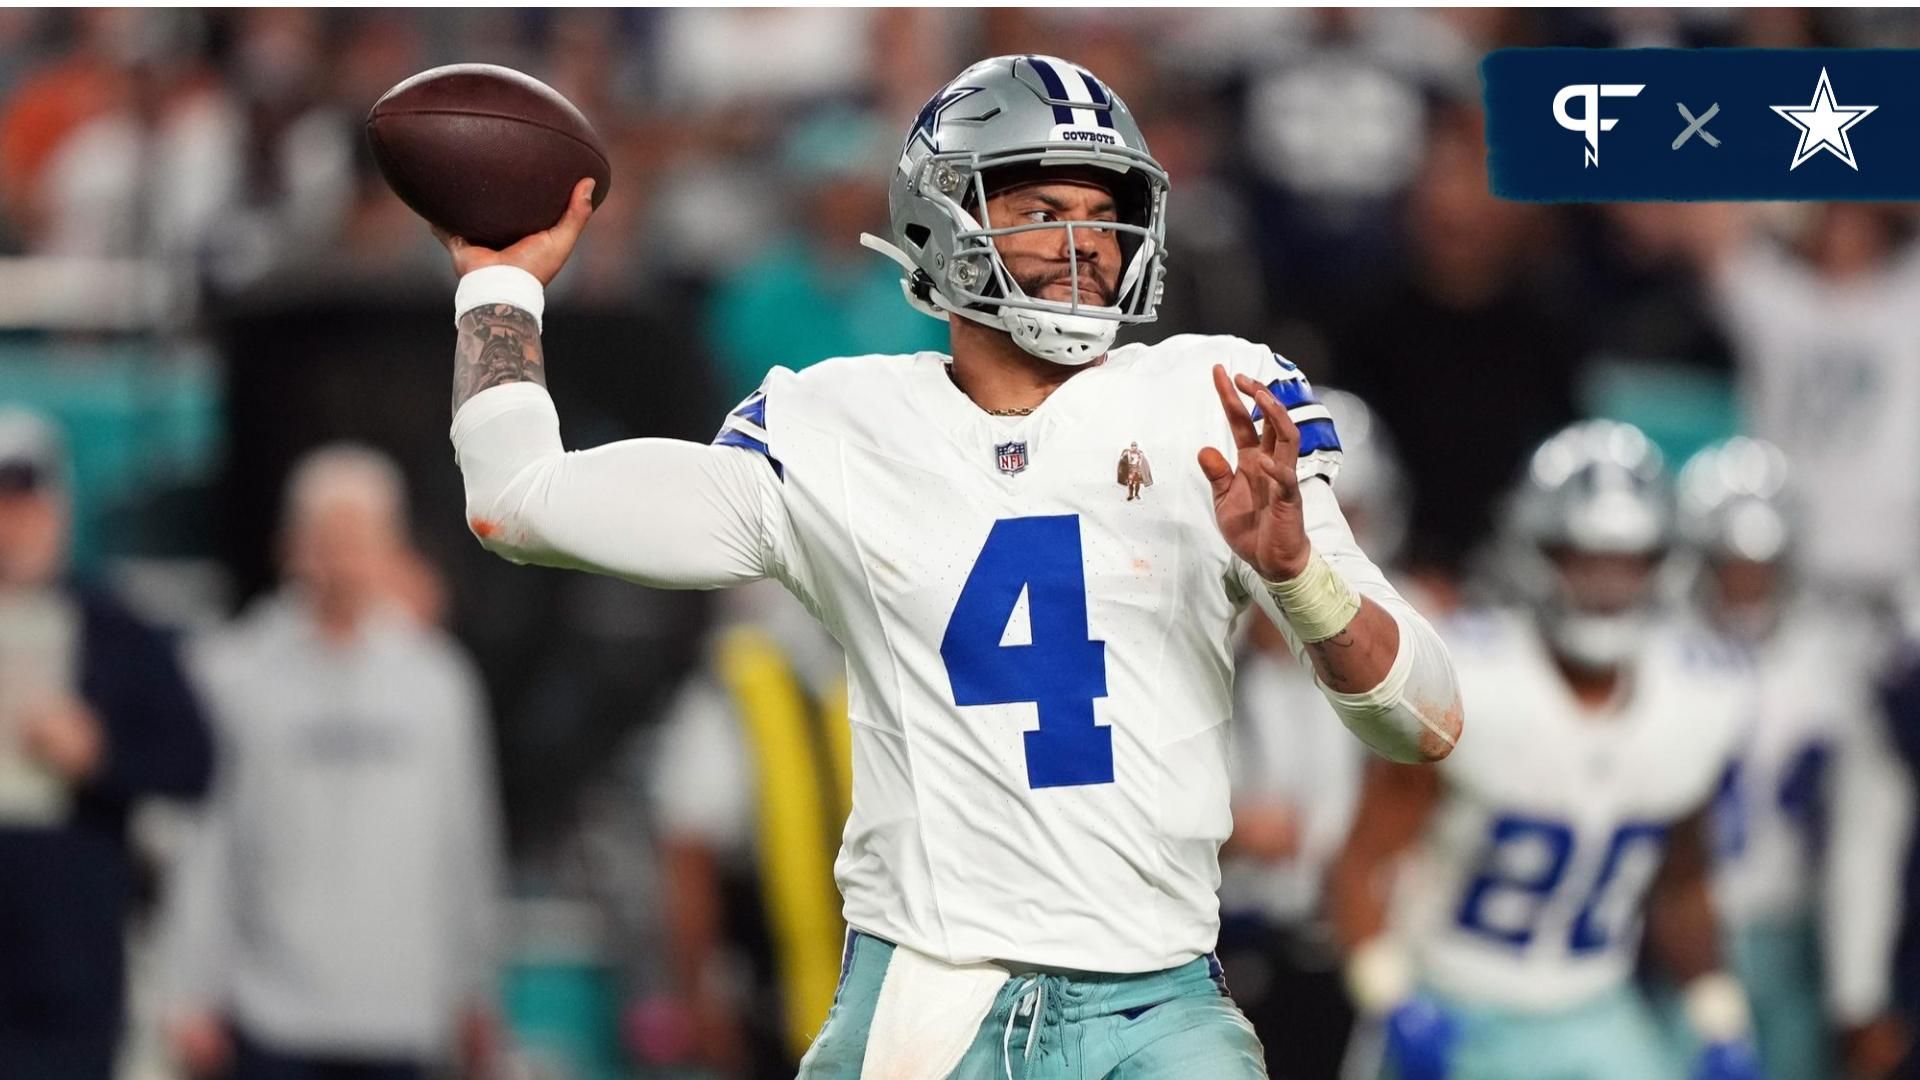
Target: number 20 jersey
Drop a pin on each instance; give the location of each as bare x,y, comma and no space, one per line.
1039,667
1527,891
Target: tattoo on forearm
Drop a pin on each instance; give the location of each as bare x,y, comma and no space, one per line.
498,344
1327,657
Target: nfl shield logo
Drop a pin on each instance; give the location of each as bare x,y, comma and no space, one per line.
1012,456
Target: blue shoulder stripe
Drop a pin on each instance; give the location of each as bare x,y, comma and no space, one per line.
1317,435
1292,393
753,410
736,437
746,427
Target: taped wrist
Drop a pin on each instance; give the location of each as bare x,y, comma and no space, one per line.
500,284
1318,602
1379,976
1716,1007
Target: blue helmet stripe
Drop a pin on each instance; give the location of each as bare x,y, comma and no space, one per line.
1056,88
1102,103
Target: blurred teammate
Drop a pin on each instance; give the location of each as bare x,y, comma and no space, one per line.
94,715
1039,669
337,912
1813,817
750,783
1296,778
1576,811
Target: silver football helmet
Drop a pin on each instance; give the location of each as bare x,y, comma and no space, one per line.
1734,508
1373,486
1596,488
1023,113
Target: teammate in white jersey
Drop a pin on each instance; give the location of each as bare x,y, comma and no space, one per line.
1039,666
1575,815
1812,821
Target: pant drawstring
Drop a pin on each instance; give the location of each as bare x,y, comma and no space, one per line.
1032,1002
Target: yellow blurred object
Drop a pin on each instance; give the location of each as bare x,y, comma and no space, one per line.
803,758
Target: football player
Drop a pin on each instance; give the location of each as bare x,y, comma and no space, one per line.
1574,816
1039,667
1812,819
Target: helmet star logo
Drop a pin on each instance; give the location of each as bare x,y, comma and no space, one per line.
929,118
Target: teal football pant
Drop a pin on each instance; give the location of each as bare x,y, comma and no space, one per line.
1614,1037
1780,967
1178,1023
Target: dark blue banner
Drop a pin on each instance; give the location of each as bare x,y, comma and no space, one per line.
1592,125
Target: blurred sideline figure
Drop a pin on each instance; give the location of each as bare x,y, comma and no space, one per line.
1577,809
1296,778
1814,815
751,782
337,909
1830,373
94,714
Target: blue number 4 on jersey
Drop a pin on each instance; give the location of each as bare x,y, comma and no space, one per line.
1061,671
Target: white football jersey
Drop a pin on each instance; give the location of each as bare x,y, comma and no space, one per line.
1815,690
1812,818
1039,667
1528,886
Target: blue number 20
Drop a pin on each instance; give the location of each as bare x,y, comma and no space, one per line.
1631,857
1062,671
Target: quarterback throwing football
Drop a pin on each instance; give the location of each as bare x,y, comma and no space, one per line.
1039,660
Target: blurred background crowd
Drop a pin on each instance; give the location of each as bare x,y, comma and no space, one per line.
583,862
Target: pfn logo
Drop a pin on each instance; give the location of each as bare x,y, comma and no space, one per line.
1589,122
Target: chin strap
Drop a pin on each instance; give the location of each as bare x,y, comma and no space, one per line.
874,243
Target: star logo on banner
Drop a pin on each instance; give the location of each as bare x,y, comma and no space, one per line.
1823,125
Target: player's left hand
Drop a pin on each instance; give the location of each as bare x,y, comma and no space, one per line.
1256,500
1734,1060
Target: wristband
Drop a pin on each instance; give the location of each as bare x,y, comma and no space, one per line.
1379,976
1319,602
500,284
1716,1007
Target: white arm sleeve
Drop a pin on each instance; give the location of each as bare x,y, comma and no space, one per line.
1871,821
1418,703
660,512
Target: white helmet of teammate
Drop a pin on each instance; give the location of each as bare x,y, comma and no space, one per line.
1735,522
1586,533
1018,116
1373,486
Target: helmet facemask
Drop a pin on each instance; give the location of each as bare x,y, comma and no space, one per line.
978,285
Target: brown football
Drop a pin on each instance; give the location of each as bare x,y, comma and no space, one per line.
484,152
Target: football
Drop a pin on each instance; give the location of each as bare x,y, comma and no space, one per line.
484,152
